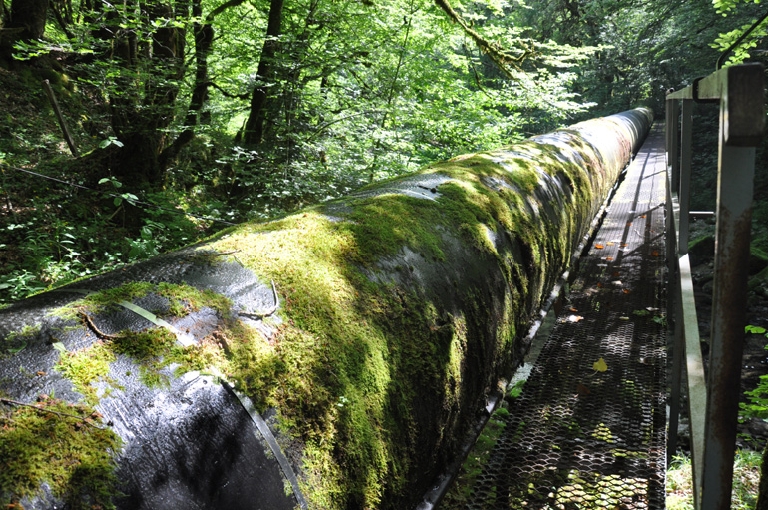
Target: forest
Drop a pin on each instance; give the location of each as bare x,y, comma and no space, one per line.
191,116
136,127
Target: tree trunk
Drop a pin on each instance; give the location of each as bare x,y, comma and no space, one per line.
145,102
204,36
29,15
26,22
254,127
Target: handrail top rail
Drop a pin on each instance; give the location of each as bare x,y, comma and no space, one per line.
711,87
741,88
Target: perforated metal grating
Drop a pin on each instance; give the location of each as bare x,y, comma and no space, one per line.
587,433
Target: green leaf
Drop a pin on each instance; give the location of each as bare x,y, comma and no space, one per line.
758,330
600,365
130,198
14,350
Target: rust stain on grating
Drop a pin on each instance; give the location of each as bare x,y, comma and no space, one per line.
588,430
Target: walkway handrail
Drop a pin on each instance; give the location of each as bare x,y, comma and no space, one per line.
713,403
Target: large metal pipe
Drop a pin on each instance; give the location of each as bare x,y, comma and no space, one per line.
368,332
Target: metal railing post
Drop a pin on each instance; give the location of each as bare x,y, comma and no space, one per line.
673,118
671,133
684,196
713,404
728,320
740,130
672,309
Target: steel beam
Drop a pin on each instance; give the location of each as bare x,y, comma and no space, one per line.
729,302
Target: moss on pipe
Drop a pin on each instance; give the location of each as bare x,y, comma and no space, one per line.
404,303
401,306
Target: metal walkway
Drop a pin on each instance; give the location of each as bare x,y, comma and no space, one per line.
588,430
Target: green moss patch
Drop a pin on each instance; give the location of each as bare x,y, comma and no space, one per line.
87,367
148,348
151,349
352,359
185,298
70,451
182,299
16,341
330,370
109,298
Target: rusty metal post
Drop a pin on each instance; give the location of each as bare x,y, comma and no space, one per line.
686,142
673,153
677,245
741,127
677,368
673,310
729,301
672,136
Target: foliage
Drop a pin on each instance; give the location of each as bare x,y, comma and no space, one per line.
756,405
724,40
746,478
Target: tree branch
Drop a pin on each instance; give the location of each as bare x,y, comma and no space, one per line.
245,95
506,61
223,7
83,419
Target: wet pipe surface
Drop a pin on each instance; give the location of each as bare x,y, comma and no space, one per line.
588,430
184,441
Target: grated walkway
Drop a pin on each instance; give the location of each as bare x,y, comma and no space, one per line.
587,433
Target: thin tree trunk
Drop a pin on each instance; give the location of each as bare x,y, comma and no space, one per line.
30,15
146,106
254,127
24,22
204,35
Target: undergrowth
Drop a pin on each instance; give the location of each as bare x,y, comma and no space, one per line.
746,480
